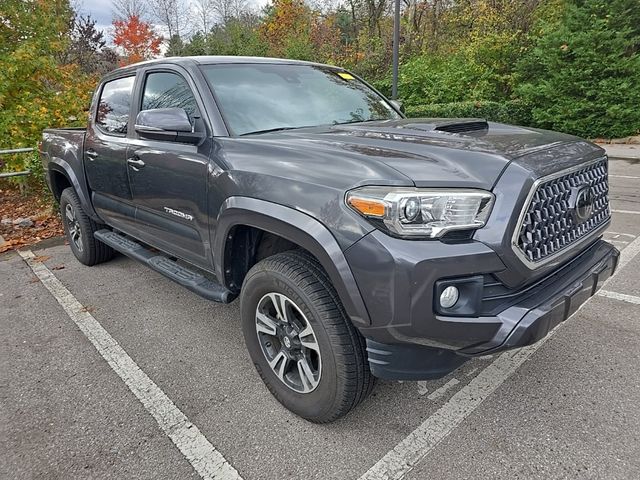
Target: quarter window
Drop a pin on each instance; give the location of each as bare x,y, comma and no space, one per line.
168,90
114,106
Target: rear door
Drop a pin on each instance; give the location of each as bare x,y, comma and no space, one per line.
169,179
105,155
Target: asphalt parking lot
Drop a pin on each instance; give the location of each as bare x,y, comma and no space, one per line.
564,408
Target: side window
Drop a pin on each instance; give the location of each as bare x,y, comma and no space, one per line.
114,106
168,90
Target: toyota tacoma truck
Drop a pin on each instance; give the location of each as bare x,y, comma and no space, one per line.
360,243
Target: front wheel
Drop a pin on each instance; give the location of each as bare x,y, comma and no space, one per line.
300,340
79,229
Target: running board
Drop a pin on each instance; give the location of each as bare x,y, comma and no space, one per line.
194,281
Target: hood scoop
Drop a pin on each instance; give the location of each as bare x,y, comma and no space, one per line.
451,125
463,126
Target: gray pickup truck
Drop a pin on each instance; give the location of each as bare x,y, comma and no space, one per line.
361,243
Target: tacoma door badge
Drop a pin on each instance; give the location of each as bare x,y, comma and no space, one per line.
178,213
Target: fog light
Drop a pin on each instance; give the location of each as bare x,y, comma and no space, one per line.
449,297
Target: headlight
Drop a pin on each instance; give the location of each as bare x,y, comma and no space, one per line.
418,212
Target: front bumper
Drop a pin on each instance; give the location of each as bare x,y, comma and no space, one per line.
415,343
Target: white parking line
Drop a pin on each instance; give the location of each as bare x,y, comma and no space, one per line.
622,243
625,176
632,212
200,453
422,387
620,296
419,443
443,389
618,234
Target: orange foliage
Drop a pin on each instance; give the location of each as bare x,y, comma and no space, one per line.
137,39
288,21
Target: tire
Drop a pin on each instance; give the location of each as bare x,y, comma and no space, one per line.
79,229
338,377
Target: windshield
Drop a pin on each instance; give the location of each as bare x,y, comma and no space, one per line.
256,98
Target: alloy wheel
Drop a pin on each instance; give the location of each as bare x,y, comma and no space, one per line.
288,342
75,233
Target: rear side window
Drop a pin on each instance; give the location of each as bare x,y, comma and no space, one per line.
168,90
114,106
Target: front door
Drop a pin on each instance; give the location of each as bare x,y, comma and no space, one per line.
169,179
105,152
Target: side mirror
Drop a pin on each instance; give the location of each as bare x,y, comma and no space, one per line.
397,104
168,124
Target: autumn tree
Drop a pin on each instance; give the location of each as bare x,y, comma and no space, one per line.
36,89
287,29
136,38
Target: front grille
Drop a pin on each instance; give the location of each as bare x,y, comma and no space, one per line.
551,222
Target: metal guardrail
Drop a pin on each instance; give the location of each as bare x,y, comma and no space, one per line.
16,150
11,152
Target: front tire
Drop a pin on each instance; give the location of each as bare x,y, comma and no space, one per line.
79,229
309,355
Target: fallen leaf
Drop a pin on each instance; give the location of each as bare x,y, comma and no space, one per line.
41,258
15,204
58,267
87,309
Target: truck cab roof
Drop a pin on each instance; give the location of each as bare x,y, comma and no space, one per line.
191,61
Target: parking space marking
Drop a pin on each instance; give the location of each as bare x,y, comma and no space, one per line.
422,387
620,296
624,176
443,389
419,443
632,212
619,234
621,243
201,454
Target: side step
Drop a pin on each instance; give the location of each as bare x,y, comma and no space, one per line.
194,281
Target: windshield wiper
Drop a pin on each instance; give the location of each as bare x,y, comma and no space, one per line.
277,129
361,121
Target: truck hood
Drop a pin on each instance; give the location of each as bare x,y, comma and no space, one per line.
468,153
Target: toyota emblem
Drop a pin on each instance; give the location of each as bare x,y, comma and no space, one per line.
584,204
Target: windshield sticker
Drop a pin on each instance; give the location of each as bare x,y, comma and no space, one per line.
346,76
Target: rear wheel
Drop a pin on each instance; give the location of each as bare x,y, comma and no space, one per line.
79,229
304,347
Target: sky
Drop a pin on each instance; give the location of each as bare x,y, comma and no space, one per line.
100,10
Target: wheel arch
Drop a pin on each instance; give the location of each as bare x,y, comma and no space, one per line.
286,225
61,175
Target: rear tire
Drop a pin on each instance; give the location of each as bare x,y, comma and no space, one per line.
79,229
320,370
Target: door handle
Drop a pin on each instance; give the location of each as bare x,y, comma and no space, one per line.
135,163
91,153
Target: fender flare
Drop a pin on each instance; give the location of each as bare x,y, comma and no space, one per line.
300,229
62,166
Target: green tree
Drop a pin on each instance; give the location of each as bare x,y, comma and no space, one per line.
583,73
176,47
